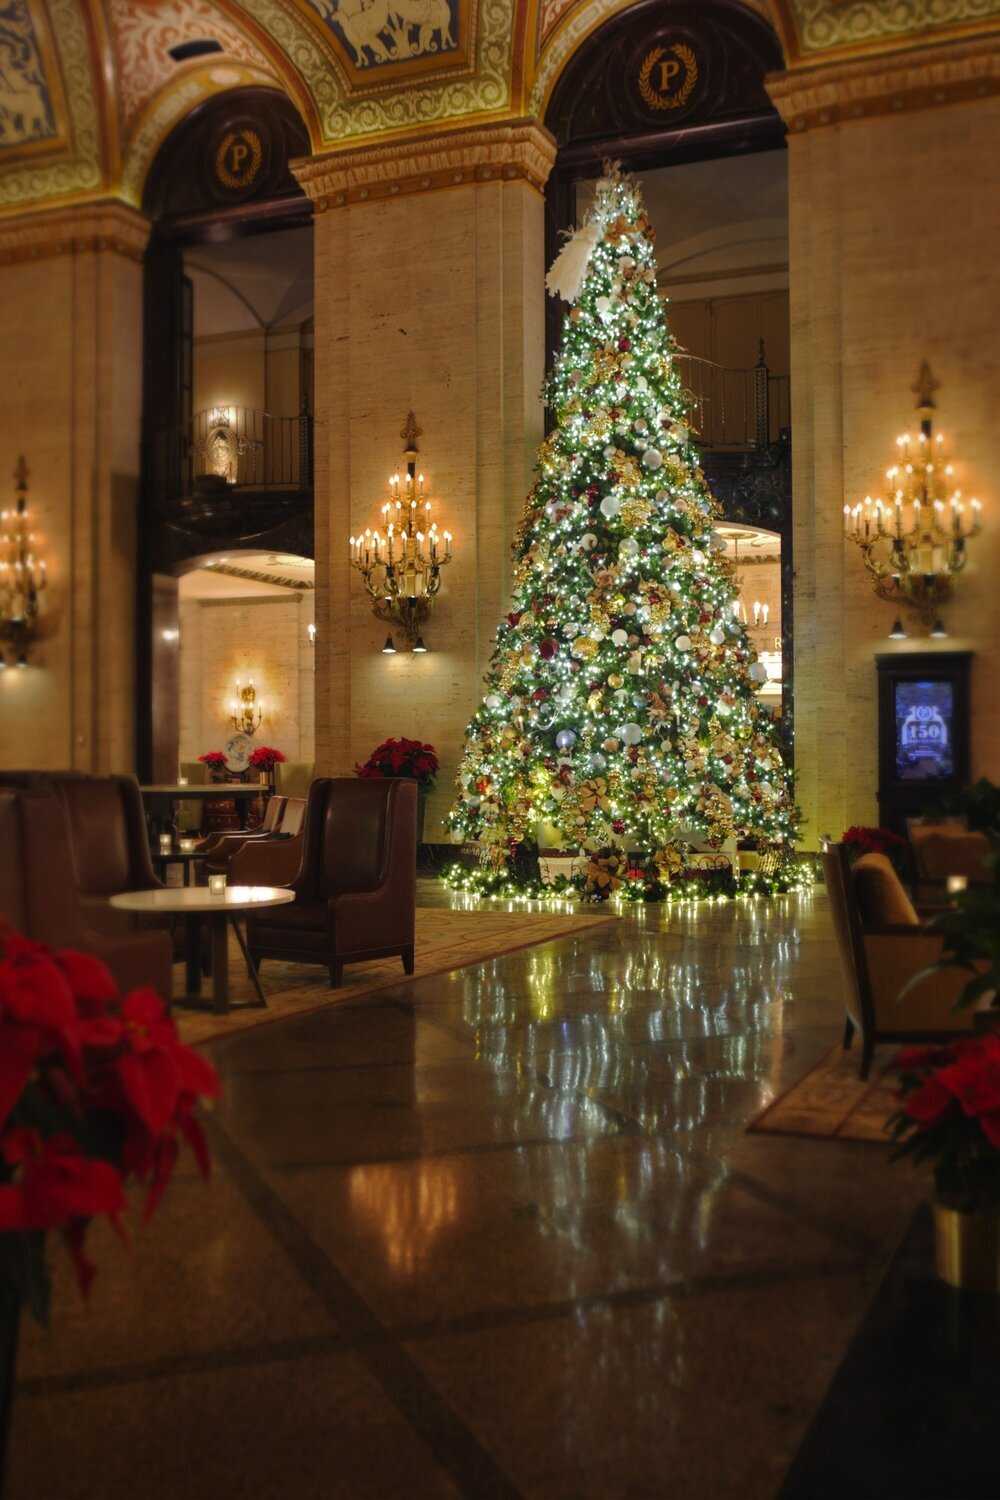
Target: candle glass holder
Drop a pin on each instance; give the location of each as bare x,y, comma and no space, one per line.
166,843
187,846
217,884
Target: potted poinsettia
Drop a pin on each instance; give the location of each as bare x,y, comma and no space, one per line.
216,763
96,1091
949,1115
403,757
860,840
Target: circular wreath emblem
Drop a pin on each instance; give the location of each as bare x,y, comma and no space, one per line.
658,98
238,174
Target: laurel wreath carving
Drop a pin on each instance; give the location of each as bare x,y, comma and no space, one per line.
685,55
223,173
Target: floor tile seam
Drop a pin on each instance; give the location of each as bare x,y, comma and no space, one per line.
857,1241
468,1462
486,1320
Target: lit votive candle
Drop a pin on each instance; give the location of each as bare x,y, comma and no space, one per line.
187,846
217,884
182,781
957,884
166,843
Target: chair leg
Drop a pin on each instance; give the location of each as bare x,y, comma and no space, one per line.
336,975
407,957
848,1033
867,1053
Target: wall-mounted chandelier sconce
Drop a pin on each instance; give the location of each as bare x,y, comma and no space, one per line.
246,711
913,541
401,563
22,574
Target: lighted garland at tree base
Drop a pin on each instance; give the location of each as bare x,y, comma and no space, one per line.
612,874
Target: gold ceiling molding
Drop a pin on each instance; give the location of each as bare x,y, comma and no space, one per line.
74,230
564,25
172,105
837,25
891,83
78,169
508,150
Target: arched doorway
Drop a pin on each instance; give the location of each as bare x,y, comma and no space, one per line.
674,90
227,399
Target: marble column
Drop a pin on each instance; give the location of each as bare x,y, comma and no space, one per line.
429,297
894,207
71,311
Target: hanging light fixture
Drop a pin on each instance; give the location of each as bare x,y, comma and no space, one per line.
914,542
401,563
22,573
389,649
897,633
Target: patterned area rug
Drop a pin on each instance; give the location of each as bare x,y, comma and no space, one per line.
445,940
831,1102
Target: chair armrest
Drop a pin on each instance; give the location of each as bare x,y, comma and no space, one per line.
267,861
894,955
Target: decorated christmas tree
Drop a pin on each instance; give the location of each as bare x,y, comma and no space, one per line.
621,709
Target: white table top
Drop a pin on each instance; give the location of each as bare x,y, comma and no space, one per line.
206,789
176,900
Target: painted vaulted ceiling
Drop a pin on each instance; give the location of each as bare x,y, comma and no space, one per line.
89,89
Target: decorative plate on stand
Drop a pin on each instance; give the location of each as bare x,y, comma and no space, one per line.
238,749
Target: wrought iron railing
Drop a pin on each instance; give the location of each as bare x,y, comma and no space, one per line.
236,447
735,408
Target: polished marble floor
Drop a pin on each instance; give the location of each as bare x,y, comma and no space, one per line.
500,1232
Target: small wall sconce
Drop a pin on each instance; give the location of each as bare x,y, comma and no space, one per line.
913,542
246,712
401,566
22,574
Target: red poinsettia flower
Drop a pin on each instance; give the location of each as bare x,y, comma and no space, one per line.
54,1182
154,1068
37,1015
213,758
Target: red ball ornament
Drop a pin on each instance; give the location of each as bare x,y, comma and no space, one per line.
514,617
624,345
549,647
539,695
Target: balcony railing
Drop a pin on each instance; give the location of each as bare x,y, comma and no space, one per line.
235,448
734,408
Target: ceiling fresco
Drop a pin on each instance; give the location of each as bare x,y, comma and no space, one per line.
89,89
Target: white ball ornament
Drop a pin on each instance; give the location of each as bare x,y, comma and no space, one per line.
662,497
610,451
683,643
494,701
717,542
588,541
597,634
619,637
631,734
717,635
566,739
679,431
603,305
758,672
610,507
629,547
652,459
641,383
598,762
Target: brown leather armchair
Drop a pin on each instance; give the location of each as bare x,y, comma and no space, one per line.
220,847
882,946
356,884
38,893
275,860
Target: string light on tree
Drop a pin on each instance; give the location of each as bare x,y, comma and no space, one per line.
621,699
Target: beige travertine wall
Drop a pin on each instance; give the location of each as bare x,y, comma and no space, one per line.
71,314
261,370
895,222
228,640
431,301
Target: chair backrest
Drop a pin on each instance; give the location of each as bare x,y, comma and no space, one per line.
38,893
850,939
273,814
293,815
294,777
947,847
349,833
879,896
107,829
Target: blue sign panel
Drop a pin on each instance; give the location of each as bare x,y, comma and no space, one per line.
924,719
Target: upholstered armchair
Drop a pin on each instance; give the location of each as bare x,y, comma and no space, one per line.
38,894
882,946
356,884
220,847
274,860
293,777
941,847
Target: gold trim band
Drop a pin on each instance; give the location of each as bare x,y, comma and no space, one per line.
107,226
504,152
922,78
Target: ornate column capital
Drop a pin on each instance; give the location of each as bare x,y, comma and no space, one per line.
109,226
507,151
918,78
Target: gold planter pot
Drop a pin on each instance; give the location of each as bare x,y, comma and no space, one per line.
967,1248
